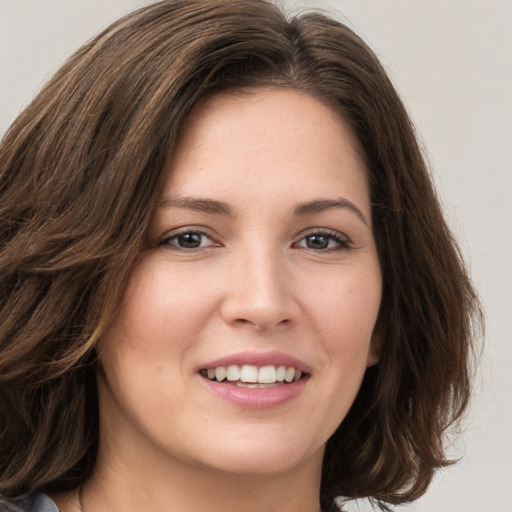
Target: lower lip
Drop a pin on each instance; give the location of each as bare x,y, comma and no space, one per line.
256,398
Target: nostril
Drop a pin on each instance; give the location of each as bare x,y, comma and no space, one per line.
244,321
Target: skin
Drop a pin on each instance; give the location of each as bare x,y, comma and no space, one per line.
256,283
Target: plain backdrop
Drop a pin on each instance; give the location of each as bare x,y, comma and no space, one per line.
451,60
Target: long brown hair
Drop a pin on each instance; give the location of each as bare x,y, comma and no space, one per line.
80,171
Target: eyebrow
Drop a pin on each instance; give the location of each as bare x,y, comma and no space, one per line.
213,206
197,204
320,205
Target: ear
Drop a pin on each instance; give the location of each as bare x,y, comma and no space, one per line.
375,344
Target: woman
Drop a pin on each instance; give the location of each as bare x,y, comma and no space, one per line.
227,281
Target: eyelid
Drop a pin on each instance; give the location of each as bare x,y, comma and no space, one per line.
164,240
344,241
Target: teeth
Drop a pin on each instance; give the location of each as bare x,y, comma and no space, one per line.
233,372
249,373
257,385
289,375
253,377
267,375
220,373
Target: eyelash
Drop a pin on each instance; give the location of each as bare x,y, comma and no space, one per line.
343,243
167,240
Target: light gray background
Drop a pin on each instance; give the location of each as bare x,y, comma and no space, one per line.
452,62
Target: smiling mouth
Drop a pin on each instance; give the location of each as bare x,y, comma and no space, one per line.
250,376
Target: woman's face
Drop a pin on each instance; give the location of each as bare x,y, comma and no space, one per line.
263,267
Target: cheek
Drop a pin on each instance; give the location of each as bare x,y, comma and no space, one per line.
158,326
348,305
344,313
159,303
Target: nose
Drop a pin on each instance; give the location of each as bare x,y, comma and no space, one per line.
259,294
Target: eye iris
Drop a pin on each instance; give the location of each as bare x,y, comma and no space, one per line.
317,242
189,240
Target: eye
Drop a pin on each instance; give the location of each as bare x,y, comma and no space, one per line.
188,240
324,241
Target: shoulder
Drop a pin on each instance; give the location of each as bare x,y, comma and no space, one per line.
37,502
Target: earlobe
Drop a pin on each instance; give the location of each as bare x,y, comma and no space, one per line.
373,357
375,344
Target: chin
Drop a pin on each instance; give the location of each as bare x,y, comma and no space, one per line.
263,457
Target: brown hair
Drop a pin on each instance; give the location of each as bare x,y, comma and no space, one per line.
80,171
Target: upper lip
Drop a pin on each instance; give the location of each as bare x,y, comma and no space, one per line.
259,359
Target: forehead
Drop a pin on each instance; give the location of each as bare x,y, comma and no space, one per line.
260,112
268,140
